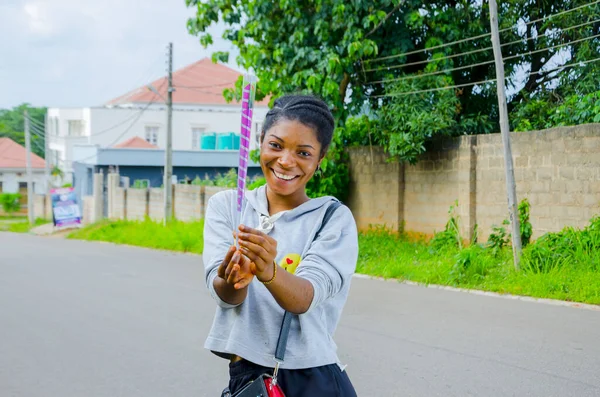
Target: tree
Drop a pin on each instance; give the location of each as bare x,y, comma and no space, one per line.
12,125
361,52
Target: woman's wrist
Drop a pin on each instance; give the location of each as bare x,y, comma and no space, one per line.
268,276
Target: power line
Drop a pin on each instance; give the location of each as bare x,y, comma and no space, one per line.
113,126
479,50
488,62
479,36
485,81
124,132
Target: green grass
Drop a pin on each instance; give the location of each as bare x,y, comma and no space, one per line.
564,265
576,278
13,218
20,226
176,236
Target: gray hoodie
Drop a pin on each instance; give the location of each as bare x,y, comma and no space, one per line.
251,329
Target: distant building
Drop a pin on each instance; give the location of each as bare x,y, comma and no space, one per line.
202,119
13,170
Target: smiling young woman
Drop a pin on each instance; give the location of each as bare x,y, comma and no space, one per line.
295,254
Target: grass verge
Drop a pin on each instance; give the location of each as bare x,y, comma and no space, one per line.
18,225
564,265
176,236
570,273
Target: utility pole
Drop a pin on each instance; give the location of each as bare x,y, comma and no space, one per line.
511,189
30,213
46,154
169,140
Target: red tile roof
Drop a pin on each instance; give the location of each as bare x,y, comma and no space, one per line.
135,143
201,83
13,155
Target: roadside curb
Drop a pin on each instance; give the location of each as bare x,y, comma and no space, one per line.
553,302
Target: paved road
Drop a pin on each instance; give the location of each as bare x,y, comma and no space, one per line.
94,319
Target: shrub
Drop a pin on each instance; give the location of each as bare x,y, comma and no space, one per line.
10,202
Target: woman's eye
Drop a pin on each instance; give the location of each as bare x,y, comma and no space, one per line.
304,154
274,145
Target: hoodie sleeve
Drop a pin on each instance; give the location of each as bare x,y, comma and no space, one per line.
331,259
217,240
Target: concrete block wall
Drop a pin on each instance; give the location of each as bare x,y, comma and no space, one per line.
188,202
137,204
375,195
557,170
88,210
156,209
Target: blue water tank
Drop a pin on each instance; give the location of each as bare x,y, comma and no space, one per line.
208,141
225,141
236,141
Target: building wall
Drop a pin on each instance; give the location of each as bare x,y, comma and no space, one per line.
10,180
557,170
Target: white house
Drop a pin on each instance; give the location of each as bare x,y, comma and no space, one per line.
199,110
13,172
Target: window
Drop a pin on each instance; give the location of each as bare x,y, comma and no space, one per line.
55,128
196,136
152,134
75,127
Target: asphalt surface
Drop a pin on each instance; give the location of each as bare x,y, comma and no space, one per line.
96,319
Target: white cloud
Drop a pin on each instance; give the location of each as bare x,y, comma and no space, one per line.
85,52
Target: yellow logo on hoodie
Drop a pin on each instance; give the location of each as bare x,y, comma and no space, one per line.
290,262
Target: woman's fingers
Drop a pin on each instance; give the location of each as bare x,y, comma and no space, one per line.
226,261
233,275
235,260
255,253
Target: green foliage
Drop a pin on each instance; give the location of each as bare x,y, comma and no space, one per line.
570,248
473,264
202,182
140,184
25,227
257,182
386,254
408,121
228,180
450,237
553,111
525,225
12,125
10,202
334,177
498,239
175,236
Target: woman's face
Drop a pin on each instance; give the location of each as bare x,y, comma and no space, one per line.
289,155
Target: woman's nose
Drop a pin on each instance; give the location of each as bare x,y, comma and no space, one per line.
286,159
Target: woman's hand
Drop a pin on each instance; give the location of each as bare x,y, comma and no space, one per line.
260,249
236,269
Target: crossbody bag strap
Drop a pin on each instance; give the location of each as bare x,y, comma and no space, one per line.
284,332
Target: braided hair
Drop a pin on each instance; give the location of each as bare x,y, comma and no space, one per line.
306,109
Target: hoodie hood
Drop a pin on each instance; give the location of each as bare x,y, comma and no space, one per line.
257,199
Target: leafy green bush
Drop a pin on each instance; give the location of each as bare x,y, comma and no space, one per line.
577,249
499,238
450,237
10,202
524,224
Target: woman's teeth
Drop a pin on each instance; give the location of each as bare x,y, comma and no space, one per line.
283,176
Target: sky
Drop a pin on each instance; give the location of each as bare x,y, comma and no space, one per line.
79,53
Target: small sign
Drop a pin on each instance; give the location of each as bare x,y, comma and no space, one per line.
65,211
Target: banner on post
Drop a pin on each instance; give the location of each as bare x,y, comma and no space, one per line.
65,210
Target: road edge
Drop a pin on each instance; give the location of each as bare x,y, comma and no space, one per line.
546,301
